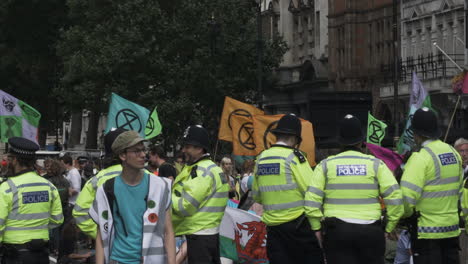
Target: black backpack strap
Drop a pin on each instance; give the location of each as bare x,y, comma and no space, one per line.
109,191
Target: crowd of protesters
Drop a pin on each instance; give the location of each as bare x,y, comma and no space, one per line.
142,206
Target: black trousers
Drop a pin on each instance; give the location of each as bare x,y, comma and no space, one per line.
347,243
436,251
26,257
293,242
203,249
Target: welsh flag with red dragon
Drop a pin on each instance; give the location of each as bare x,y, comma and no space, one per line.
243,237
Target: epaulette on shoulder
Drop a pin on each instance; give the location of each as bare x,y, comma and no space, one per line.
193,172
299,155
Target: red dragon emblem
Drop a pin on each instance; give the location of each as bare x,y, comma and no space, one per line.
254,251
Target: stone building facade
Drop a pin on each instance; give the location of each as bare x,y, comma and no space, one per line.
302,77
361,42
429,29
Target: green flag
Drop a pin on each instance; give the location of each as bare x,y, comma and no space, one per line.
153,126
375,130
17,118
126,114
419,97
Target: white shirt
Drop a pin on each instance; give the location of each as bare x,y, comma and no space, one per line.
74,178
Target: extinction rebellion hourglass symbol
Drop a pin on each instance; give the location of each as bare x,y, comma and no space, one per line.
10,122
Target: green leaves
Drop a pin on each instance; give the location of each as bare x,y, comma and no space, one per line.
183,58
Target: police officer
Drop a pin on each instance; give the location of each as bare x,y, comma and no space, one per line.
30,205
431,184
88,193
280,181
199,198
348,187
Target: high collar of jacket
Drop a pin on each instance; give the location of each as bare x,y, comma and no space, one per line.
282,146
21,172
204,157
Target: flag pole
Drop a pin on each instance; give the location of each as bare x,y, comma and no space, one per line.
215,150
446,55
451,119
459,96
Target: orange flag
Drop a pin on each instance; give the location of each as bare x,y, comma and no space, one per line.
232,108
243,136
264,138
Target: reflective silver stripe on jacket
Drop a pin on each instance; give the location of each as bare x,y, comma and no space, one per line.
351,201
274,188
14,213
24,228
324,168
32,216
287,168
283,205
213,209
2,221
436,162
315,191
440,194
351,186
411,186
409,200
221,195
82,218
393,201
390,190
441,181
181,207
214,193
24,185
277,157
78,208
290,184
313,204
437,229
190,199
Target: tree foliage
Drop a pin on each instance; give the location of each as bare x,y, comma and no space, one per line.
29,66
183,57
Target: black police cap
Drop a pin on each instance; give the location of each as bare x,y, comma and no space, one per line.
350,131
22,147
109,139
289,124
197,136
424,123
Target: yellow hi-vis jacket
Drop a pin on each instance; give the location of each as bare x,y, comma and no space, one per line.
281,178
349,185
464,203
86,197
29,206
431,184
199,197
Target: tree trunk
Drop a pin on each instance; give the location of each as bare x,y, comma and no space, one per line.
75,129
91,135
